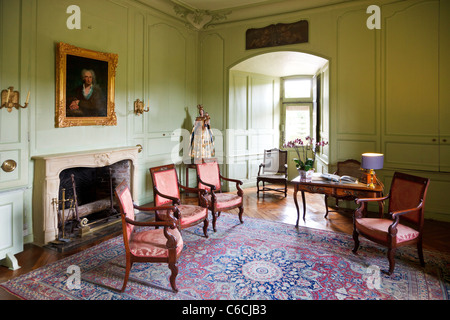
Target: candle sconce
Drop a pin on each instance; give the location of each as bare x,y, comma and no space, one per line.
139,107
10,99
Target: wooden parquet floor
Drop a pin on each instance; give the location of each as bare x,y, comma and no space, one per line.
270,206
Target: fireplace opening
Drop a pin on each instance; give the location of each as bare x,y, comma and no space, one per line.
86,201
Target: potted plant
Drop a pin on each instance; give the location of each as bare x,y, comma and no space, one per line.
306,155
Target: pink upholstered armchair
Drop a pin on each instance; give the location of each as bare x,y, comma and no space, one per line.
209,179
166,188
405,224
148,245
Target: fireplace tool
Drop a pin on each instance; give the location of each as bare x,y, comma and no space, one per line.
61,215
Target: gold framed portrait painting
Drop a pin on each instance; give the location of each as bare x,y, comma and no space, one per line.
85,86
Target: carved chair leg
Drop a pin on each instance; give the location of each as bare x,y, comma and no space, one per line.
214,217
174,268
391,258
128,267
205,227
257,188
241,211
356,239
420,252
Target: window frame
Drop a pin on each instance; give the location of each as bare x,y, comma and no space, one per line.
299,77
297,101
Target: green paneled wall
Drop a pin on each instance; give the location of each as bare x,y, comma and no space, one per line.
377,81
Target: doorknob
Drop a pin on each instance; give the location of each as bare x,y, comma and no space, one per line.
9,165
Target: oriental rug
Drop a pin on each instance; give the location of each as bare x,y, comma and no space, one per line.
258,260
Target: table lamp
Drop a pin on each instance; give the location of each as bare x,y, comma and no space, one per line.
372,162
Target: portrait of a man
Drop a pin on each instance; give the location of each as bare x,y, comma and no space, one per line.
85,95
85,81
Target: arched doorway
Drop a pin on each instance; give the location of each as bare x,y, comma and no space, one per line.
260,116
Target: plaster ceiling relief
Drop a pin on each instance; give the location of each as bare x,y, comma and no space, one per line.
198,18
202,14
214,5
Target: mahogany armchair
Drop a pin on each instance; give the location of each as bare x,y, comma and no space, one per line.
166,188
273,171
405,224
148,245
210,179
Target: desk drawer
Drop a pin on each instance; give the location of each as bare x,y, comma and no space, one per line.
317,189
354,193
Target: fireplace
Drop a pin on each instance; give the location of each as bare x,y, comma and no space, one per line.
92,166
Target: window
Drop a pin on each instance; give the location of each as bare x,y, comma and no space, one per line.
297,105
297,88
298,122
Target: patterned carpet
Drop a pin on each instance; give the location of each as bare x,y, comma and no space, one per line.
257,260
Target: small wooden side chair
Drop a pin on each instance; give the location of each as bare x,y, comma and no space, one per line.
273,171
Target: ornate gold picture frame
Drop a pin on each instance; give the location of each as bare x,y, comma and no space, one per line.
85,86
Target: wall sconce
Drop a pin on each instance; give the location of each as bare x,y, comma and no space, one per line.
139,107
10,99
372,162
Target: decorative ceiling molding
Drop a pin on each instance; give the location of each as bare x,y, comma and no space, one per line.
199,19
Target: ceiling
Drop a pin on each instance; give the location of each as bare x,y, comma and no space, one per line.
234,10
282,64
201,14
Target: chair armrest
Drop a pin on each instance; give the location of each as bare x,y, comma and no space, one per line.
392,230
238,183
171,222
213,187
191,189
360,211
260,166
174,199
201,194
360,200
231,180
399,213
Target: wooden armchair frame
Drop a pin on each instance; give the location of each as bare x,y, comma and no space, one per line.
279,177
215,203
413,215
128,224
176,200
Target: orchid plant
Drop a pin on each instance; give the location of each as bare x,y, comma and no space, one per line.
304,149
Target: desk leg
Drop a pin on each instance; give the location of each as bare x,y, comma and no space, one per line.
304,205
296,204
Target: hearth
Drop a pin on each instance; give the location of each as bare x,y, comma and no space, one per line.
87,195
87,180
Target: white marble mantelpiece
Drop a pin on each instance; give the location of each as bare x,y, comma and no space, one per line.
46,182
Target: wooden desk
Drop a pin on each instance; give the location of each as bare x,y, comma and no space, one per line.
352,190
